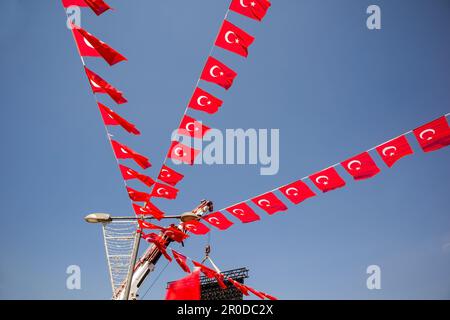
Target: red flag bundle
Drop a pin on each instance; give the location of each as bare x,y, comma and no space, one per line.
243,212
159,242
433,135
164,191
148,209
137,196
123,152
169,176
204,101
183,153
210,273
218,73
98,6
234,39
269,203
110,118
89,44
191,127
181,260
327,180
394,150
196,227
99,85
187,288
218,220
254,9
361,166
297,192
175,234
128,174
147,225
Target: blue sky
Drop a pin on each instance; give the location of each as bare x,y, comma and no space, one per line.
315,71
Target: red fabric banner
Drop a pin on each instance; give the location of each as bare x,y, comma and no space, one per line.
210,273
148,209
269,203
164,191
433,135
137,196
123,152
147,225
204,101
193,128
196,227
169,176
183,153
187,288
98,6
243,212
218,73
234,39
218,220
297,192
99,85
128,174
254,9
361,166
327,180
181,260
175,234
78,3
110,118
159,242
394,150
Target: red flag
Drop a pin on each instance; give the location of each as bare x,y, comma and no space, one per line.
234,39
98,6
87,40
267,296
254,9
128,174
297,191
361,166
256,293
175,234
85,48
159,242
269,203
218,220
138,196
169,176
164,191
187,288
191,127
210,273
147,225
181,260
204,101
183,153
110,118
394,150
243,212
239,286
327,180
123,152
433,135
218,73
148,209
78,3
196,227
99,85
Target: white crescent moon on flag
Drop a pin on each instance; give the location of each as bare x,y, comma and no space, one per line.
243,4
385,150
226,37
320,178
123,150
211,71
264,203
129,172
178,151
199,100
165,175
142,210
190,126
88,43
349,165
288,190
214,220
158,191
239,212
94,83
421,135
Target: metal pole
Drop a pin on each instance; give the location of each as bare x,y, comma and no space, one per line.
137,239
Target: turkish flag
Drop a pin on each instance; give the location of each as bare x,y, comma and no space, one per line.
210,273
169,176
99,85
148,209
147,225
86,42
187,288
193,128
218,220
297,191
159,242
254,9
218,73
196,227
433,135
78,3
183,153
239,286
394,150
327,180
181,260
269,203
98,6
361,166
110,118
234,39
243,212
128,174
138,196
161,190
123,152
175,234
204,101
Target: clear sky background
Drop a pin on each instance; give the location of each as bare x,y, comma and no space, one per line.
315,71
